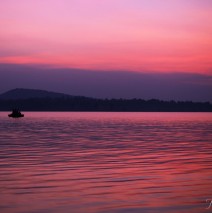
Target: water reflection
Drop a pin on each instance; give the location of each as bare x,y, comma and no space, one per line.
106,162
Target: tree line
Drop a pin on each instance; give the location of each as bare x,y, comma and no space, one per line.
111,105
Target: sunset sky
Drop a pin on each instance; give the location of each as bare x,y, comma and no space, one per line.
132,35
108,48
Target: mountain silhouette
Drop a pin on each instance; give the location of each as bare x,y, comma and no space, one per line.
41,100
21,93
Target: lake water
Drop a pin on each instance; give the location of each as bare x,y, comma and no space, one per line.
106,162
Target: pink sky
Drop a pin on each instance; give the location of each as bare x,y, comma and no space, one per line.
139,35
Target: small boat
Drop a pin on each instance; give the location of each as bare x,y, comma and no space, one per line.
16,114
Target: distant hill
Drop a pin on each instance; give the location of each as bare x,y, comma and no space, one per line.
40,100
21,93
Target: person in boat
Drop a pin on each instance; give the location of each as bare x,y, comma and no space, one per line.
16,114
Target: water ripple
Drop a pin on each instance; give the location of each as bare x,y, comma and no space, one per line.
106,162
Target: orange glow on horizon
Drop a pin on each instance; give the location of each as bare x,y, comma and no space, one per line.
162,64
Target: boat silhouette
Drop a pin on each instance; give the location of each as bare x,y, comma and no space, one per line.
16,114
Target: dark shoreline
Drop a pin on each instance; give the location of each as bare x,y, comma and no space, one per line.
83,104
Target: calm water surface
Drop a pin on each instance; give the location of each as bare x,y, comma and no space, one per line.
106,162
